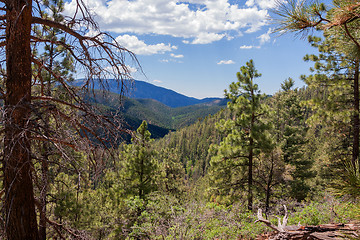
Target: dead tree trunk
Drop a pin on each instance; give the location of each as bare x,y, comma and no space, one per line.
19,196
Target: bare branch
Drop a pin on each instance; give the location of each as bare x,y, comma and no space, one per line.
267,222
54,140
281,225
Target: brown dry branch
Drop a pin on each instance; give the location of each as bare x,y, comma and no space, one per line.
299,232
281,224
32,116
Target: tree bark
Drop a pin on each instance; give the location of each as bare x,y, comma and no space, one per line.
19,196
356,121
268,185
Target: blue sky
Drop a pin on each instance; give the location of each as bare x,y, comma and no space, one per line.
196,47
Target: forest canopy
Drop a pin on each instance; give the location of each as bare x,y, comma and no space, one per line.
68,172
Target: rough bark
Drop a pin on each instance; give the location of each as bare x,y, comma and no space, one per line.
19,196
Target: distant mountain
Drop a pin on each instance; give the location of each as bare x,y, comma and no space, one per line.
157,113
144,90
163,109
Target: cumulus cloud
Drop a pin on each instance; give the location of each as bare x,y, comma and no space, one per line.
170,61
196,21
111,71
176,56
131,69
205,38
264,4
137,46
157,81
265,37
248,47
226,62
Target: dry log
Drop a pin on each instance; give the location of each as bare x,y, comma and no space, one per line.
321,232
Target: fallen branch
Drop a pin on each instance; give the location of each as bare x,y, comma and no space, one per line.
281,225
320,232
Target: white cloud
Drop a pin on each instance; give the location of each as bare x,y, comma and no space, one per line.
205,38
248,47
265,37
110,71
157,81
197,21
264,4
226,62
131,69
176,56
137,46
170,61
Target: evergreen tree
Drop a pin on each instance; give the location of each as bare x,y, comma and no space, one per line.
21,128
334,104
140,165
246,135
341,49
291,131
59,62
172,172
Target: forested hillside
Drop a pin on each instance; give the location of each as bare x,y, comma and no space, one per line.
68,172
144,90
161,118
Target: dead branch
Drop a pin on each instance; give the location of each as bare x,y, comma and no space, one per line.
320,232
280,227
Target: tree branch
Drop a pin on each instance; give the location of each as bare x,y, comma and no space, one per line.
281,225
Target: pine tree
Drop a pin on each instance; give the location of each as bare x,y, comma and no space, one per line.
246,135
172,172
335,80
59,61
340,26
140,165
291,131
22,126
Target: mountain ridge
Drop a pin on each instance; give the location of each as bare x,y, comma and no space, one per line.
144,90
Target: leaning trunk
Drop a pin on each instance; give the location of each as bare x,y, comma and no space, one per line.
19,196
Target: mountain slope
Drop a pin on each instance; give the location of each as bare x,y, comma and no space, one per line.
156,113
144,90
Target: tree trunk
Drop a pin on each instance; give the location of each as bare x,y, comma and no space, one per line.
356,121
19,196
268,185
250,177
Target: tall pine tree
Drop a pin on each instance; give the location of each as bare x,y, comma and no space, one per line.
140,165
246,135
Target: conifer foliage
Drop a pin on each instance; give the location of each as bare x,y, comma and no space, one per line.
140,165
246,136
